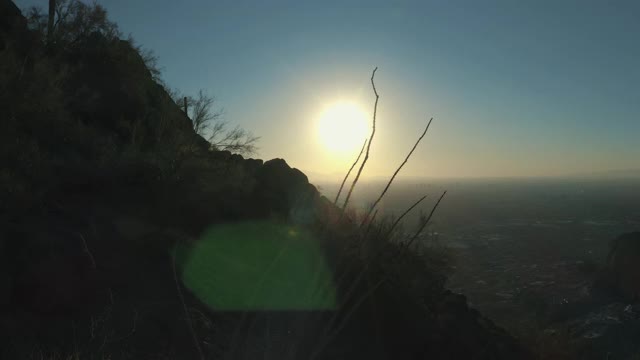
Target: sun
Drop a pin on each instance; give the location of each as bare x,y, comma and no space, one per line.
342,127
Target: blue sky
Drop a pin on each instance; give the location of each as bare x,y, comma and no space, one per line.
516,88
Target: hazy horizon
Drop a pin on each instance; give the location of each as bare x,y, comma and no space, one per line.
614,174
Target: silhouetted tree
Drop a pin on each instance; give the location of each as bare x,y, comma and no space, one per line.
71,22
208,122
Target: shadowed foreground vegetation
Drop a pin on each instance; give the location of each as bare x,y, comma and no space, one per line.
126,235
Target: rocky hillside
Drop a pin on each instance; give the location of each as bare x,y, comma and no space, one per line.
103,182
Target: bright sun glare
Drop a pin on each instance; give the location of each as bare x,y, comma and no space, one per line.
343,127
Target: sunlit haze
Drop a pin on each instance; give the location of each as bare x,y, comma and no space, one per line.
536,89
341,126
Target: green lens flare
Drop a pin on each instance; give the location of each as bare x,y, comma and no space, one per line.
258,266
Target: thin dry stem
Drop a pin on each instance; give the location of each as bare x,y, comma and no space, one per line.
395,223
397,171
349,172
371,221
424,224
366,155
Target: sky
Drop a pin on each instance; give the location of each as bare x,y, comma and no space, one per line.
516,88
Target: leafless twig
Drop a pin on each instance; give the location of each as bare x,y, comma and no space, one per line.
371,221
373,132
397,171
424,224
349,172
395,223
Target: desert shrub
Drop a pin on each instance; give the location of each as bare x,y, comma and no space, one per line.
74,23
207,120
378,247
420,270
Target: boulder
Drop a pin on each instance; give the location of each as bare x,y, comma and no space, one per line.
286,191
252,165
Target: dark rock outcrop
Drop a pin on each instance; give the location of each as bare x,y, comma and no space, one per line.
288,191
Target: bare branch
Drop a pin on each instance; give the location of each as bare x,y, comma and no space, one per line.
71,21
395,223
373,132
217,130
349,172
150,60
371,222
398,170
424,224
210,125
